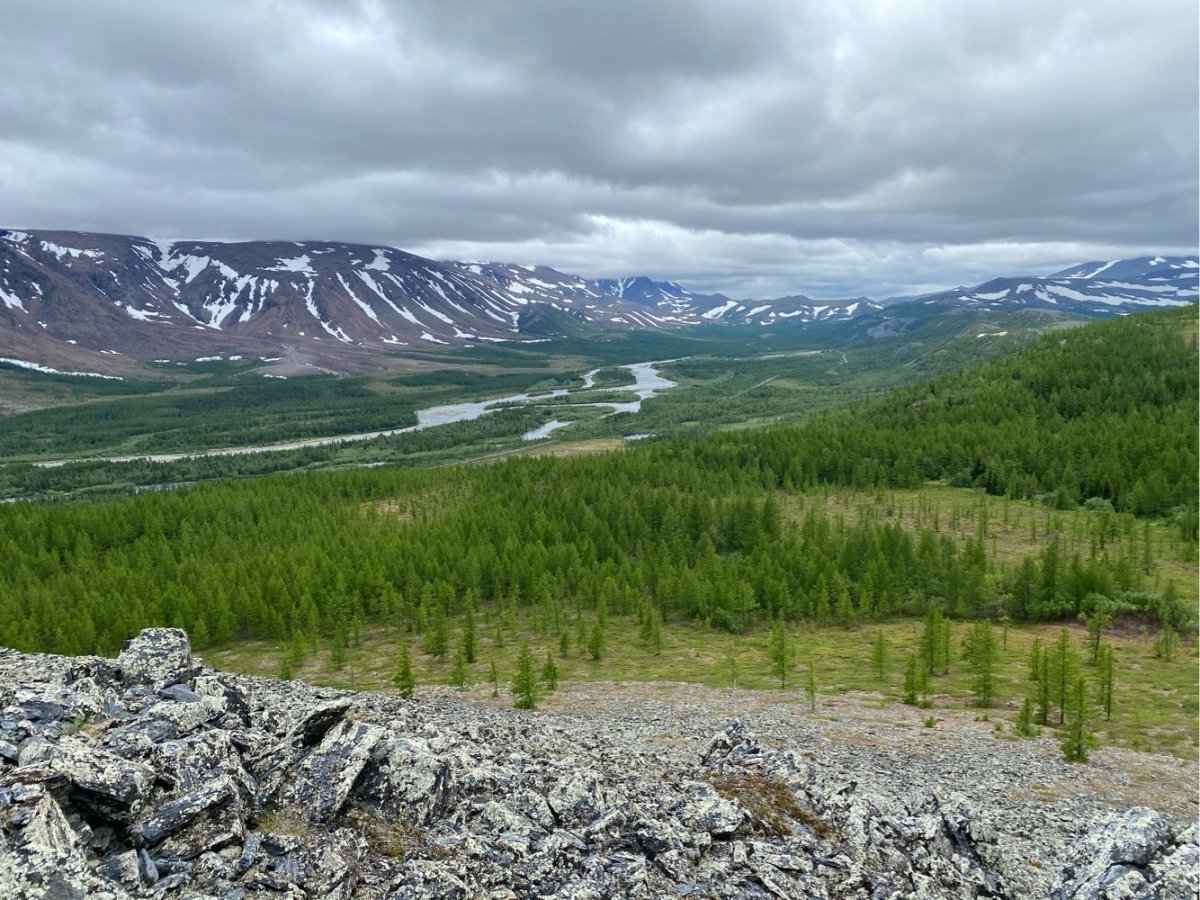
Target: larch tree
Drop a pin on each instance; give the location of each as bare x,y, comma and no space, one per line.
525,681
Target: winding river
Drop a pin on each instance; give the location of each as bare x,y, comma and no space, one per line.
647,382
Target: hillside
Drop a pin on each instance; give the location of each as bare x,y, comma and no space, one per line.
687,529
151,773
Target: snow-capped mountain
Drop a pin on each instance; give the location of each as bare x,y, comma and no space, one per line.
1094,288
667,301
70,296
63,293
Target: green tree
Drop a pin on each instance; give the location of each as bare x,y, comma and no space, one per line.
730,665
404,680
494,678
780,653
1042,712
651,631
1098,614
338,649
596,640
436,641
468,635
564,644
983,662
1061,672
550,673
458,675
933,642
879,657
525,682
1105,679
910,679
1165,643
1024,726
1077,737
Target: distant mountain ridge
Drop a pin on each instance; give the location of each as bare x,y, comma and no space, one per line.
85,300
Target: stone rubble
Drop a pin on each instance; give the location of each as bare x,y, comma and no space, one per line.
153,776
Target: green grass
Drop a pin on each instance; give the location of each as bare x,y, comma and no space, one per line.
1155,705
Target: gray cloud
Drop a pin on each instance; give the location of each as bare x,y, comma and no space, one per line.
752,147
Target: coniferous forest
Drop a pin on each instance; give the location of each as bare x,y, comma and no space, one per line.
720,531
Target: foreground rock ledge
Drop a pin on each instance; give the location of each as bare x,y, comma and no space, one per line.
151,775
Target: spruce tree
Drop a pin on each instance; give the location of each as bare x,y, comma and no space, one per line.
564,644
494,678
525,683
404,680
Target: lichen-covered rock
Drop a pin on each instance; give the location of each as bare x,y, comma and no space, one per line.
321,783
167,818
1133,855
45,859
102,782
157,657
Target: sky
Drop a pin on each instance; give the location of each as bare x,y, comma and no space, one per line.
753,147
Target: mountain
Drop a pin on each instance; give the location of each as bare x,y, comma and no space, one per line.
1094,288
100,301
70,296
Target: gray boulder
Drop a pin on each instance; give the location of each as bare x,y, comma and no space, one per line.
322,781
156,658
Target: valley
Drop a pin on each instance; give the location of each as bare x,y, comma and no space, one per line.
680,558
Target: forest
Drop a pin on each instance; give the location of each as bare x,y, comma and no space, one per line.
693,530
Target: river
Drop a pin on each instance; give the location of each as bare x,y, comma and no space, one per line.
647,383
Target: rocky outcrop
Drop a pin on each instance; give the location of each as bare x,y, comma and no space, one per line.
1134,856
154,776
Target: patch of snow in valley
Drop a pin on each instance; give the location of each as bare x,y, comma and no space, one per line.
25,364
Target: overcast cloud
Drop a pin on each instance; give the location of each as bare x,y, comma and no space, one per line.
755,147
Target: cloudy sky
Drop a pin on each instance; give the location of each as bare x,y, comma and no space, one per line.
758,148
